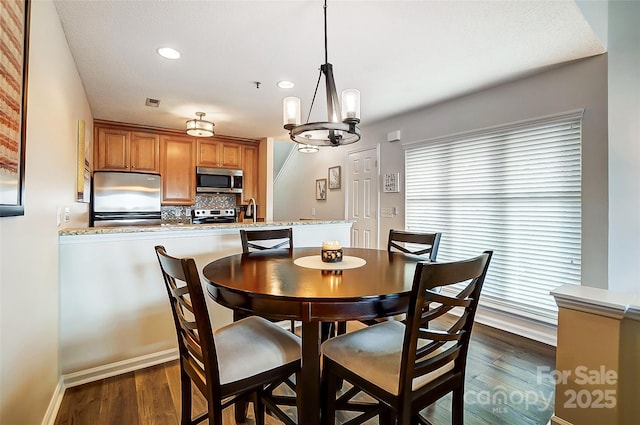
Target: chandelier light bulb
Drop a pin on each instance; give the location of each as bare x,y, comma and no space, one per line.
291,111
351,104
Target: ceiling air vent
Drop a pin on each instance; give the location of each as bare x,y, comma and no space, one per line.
154,103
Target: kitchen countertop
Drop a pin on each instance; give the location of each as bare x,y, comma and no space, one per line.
191,227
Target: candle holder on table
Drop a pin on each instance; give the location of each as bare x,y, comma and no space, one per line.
331,252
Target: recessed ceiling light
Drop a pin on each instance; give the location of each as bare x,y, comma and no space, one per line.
168,52
284,84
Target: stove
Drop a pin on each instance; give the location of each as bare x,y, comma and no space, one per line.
213,216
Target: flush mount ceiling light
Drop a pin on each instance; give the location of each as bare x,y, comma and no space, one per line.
332,132
307,148
168,52
200,127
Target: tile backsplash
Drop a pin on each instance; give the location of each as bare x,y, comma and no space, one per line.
182,214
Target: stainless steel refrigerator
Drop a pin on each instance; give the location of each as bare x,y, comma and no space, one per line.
120,198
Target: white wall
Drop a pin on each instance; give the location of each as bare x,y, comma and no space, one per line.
582,84
29,363
624,146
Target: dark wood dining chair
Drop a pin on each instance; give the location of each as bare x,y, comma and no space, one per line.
219,363
424,244
266,239
405,366
261,240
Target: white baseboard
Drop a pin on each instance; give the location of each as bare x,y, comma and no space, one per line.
118,368
54,404
537,331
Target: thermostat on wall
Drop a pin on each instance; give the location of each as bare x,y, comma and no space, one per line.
391,182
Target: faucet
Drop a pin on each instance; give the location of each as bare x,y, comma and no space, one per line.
251,209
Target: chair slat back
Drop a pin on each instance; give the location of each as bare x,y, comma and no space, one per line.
191,317
429,242
269,239
425,349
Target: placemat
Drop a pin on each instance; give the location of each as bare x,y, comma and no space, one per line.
315,262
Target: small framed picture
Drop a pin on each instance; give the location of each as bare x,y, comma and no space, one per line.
321,189
335,177
391,182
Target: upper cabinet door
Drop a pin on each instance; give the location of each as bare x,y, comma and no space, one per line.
208,151
112,150
218,154
122,150
145,152
230,155
177,156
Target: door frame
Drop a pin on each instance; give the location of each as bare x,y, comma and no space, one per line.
347,198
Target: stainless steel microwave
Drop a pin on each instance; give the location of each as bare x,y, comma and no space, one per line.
218,180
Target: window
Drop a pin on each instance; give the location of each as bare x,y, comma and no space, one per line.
515,190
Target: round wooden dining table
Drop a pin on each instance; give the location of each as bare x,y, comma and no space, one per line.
294,284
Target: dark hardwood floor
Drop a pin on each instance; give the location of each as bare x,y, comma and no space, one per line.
503,387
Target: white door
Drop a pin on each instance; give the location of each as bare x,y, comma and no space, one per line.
362,197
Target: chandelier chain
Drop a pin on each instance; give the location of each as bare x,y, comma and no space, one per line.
326,60
326,54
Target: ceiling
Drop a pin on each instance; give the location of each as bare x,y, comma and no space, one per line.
400,54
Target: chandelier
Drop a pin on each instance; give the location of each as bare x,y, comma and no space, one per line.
333,132
199,127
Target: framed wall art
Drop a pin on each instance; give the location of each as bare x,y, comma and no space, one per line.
83,182
13,104
391,182
321,189
335,177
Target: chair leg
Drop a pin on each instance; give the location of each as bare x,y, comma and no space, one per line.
240,410
404,419
385,417
457,406
185,384
258,408
328,391
298,398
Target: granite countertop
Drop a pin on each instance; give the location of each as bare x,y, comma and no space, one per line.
76,231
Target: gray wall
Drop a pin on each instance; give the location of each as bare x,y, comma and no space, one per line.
30,300
581,84
624,146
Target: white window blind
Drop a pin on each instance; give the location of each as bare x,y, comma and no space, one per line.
515,190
